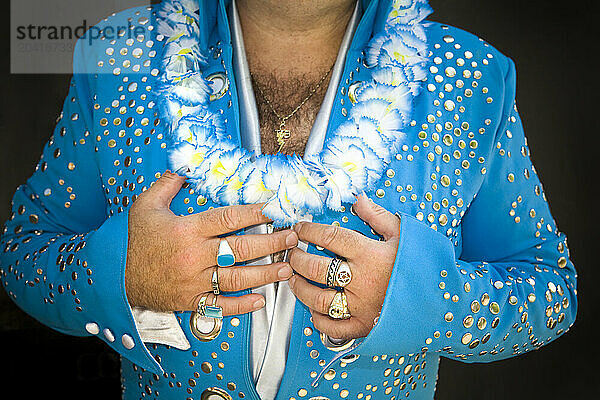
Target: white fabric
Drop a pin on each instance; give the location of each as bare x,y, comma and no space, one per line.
271,326
159,327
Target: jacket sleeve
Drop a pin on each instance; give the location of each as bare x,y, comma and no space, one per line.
62,259
513,287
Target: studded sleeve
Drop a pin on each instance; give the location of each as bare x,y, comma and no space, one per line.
62,260
512,288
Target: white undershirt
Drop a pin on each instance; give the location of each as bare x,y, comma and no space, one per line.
271,326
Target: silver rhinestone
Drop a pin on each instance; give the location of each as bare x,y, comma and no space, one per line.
108,335
92,328
127,341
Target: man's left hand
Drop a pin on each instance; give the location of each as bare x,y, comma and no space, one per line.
371,262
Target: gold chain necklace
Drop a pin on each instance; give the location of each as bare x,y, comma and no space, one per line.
282,134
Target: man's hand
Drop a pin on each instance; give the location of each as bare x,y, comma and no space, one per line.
371,262
170,258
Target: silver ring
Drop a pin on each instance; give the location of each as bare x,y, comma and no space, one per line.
331,271
338,273
343,275
225,256
215,281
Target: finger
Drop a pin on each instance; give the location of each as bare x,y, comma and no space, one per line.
341,241
161,193
381,220
240,278
342,329
314,297
222,220
252,246
231,305
311,266
239,304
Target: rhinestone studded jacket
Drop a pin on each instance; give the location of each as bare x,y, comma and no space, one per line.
482,272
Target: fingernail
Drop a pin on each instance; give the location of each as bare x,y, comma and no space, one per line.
291,239
292,281
297,226
285,272
259,303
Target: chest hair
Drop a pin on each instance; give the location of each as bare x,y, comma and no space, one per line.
284,96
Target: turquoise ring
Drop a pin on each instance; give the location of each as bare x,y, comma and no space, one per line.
207,311
225,257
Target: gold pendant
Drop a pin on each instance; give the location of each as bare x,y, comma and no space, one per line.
282,135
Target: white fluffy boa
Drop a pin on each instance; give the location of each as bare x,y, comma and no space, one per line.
353,158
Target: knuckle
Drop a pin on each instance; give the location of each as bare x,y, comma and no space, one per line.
229,218
314,267
238,307
269,275
377,209
330,235
381,212
237,279
184,258
241,247
274,241
323,301
256,212
277,243
180,228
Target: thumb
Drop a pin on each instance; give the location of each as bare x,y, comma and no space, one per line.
162,192
381,220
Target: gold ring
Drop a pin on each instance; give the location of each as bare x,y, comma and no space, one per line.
212,311
207,321
201,306
338,309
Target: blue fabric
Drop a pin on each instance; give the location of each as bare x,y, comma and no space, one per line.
482,272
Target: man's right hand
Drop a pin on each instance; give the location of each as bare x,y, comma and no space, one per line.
170,258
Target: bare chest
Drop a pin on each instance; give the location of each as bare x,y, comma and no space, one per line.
298,105
289,138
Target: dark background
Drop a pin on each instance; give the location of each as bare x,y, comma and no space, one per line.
554,45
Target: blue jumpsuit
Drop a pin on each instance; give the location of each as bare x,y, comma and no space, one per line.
482,272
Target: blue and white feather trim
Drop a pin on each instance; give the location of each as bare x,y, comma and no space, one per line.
352,160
